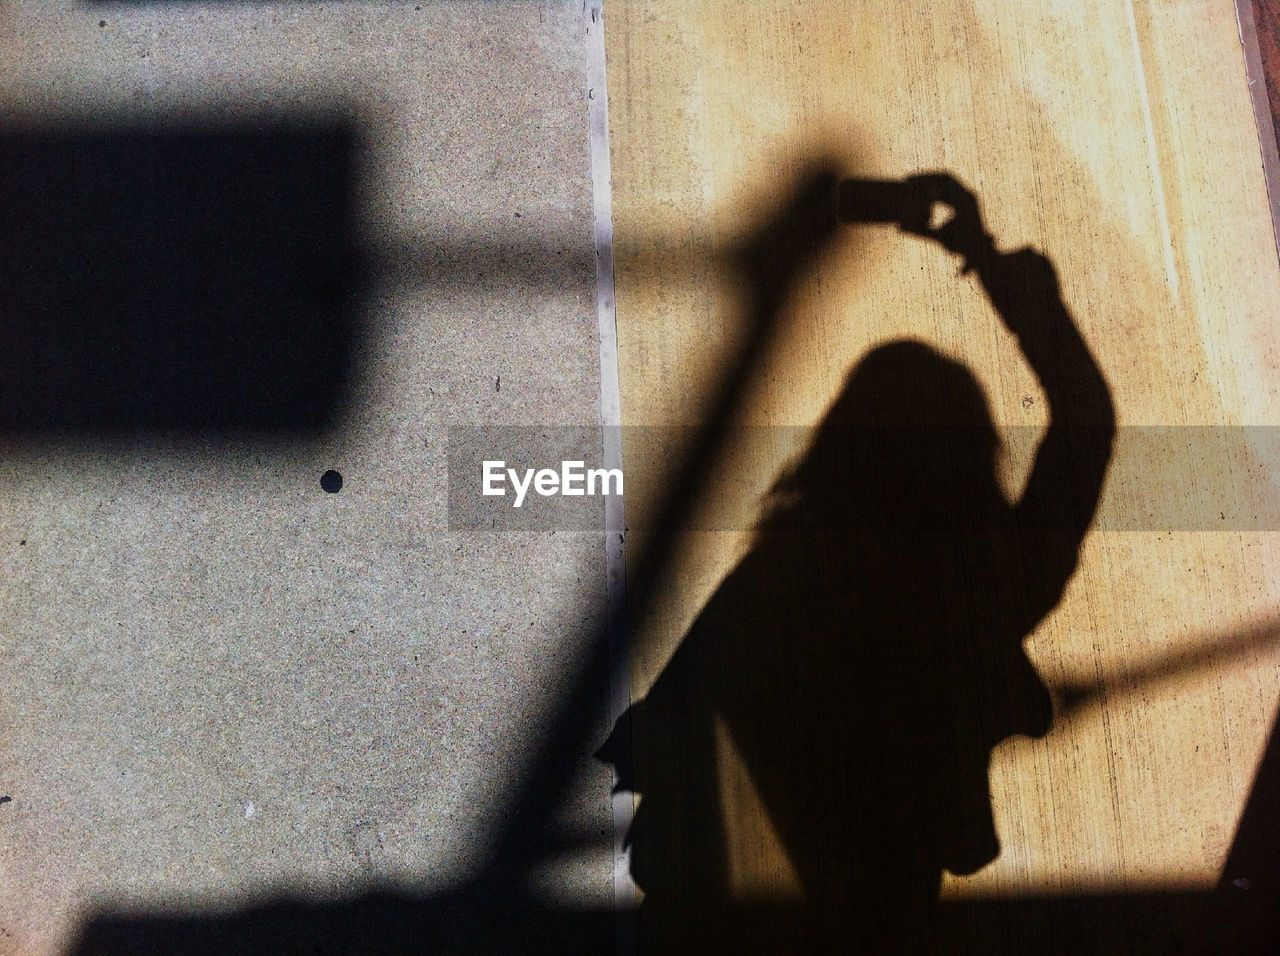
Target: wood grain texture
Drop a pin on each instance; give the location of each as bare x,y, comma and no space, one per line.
1115,137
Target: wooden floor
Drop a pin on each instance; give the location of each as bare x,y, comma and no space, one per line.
1117,139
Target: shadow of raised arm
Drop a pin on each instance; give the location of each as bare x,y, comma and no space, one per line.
1062,493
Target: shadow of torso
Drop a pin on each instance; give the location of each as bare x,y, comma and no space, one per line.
863,659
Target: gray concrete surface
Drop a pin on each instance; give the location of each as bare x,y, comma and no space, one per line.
219,682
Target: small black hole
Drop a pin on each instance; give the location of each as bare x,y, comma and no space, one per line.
331,482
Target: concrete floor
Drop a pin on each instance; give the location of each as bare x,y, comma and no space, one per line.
222,684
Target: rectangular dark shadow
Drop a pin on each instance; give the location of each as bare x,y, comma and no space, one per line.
186,278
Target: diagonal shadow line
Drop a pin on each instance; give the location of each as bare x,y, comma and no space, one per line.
1203,654
776,254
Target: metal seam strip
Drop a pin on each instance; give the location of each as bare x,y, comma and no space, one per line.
624,889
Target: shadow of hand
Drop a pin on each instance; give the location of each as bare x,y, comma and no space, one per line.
963,232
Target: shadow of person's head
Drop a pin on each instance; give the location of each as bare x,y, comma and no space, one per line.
909,443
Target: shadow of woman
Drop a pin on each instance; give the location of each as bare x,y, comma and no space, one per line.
866,655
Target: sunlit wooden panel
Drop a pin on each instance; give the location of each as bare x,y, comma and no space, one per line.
1115,137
